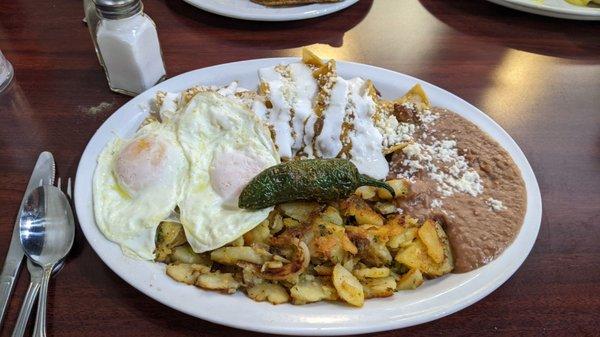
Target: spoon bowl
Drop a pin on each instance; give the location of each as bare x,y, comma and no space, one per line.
46,231
46,225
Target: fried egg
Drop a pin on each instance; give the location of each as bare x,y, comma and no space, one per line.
226,145
137,183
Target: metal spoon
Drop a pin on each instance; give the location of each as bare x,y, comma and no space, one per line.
35,279
47,231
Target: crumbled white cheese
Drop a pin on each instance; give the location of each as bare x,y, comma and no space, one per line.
495,205
436,203
412,150
442,163
427,116
405,131
394,132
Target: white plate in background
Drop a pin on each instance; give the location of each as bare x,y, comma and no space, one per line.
434,299
553,8
248,10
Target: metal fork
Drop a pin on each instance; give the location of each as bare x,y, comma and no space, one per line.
69,190
35,279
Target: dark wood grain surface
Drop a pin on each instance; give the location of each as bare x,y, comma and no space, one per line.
538,77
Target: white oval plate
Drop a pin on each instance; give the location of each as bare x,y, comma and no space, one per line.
248,10
435,299
553,8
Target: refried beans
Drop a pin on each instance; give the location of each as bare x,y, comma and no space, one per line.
465,180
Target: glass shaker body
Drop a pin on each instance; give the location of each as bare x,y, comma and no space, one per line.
131,53
92,19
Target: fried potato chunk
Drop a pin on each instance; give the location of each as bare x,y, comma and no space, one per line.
185,254
375,272
428,234
366,192
361,211
347,286
377,255
168,236
415,257
218,281
231,255
323,270
385,207
271,292
311,289
259,234
329,215
299,210
401,189
276,222
186,273
290,223
403,239
411,280
379,287
237,242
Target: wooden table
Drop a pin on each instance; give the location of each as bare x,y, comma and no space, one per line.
538,77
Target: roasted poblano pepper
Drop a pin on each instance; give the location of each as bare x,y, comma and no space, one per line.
311,179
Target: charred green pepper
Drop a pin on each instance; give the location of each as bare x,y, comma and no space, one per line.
311,179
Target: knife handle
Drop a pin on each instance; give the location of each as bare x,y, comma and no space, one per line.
6,287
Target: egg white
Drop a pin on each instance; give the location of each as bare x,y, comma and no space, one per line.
130,215
226,146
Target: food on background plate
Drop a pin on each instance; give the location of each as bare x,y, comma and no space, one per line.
284,3
584,2
372,195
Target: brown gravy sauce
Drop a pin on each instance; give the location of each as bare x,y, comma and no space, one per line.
478,233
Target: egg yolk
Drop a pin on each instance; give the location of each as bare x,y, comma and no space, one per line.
140,164
231,171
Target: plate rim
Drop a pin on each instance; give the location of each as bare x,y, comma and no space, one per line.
590,14
328,9
532,189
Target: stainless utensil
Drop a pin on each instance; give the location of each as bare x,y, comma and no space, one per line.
43,174
47,231
35,279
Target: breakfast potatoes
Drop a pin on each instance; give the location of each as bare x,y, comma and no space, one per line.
354,249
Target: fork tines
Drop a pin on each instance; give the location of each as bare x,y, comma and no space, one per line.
68,191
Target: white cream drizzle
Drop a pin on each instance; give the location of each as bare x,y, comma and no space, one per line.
328,143
280,115
309,135
367,150
304,90
292,90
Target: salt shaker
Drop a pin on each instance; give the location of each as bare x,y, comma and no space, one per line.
91,19
128,45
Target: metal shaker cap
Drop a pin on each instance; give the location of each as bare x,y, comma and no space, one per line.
118,9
